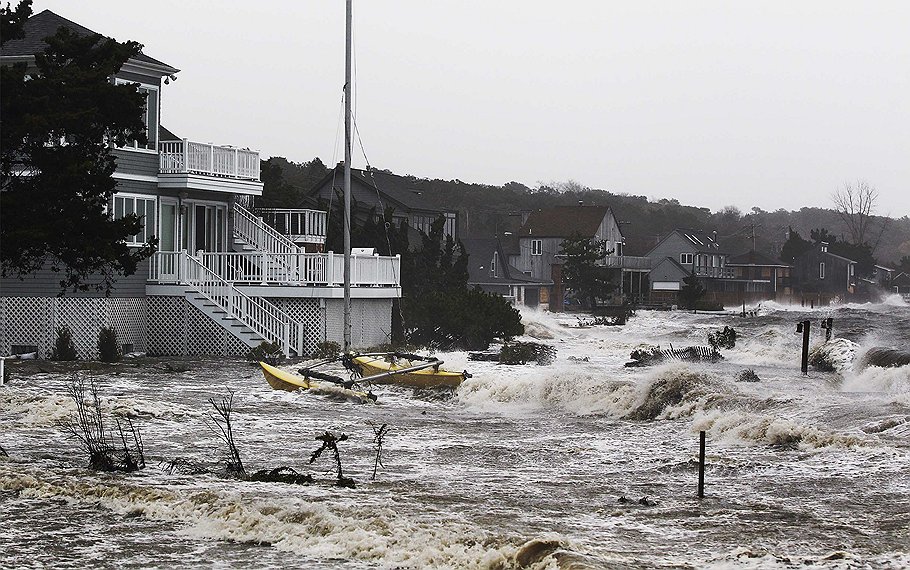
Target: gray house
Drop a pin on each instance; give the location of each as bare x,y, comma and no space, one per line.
222,281
383,190
687,252
537,248
489,269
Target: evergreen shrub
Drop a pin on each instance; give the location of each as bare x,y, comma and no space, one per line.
64,347
108,347
268,352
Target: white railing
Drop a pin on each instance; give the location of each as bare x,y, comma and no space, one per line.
257,268
263,318
186,157
719,272
627,262
299,225
260,235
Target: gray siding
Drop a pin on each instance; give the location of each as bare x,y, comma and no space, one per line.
46,283
136,162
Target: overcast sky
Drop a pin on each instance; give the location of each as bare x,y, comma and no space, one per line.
768,104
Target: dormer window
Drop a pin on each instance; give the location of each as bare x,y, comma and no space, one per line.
149,116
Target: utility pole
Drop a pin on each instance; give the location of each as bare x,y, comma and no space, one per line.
347,176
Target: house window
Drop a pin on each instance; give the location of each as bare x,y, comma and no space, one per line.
142,206
821,270
685,258
536,247
493,267
852,268
149,114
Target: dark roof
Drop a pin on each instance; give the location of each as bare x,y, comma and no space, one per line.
673,262
901,279
399,189
564,221
480,254
755,258
166,135
46,23
700,241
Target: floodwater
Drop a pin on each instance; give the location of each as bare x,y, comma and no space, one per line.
579,464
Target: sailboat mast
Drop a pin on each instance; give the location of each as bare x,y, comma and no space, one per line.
347,177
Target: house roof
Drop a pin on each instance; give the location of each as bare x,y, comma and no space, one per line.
755,258
46,23
699,240
564,221
674,264
901,279
480,254
401,190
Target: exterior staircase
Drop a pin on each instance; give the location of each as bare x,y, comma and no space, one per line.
251,320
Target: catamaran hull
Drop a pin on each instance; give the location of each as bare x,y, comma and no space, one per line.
282,380
427,378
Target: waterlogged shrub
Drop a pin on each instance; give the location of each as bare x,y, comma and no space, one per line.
524,352
64,348
327,349
747,375
268,352
108,347
722,339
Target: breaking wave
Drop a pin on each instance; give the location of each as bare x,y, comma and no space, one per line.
765,429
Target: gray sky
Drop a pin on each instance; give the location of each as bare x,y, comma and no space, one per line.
768,104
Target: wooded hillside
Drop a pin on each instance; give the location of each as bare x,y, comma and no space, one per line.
486,210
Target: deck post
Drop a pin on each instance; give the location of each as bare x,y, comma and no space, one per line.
2,370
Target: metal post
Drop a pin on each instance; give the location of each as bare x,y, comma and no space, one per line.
2,370
701,464
347,177
803,327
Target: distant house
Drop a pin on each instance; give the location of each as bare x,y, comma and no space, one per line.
489,269
823,276
882,276
900,283
383,190
758,274
685,252
538,244
222,281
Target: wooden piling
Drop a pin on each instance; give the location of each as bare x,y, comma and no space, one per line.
701,464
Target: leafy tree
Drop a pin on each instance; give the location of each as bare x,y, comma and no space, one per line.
56,164
581,271
794,246
691,292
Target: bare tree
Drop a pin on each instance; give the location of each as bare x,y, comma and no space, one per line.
854,203
221,424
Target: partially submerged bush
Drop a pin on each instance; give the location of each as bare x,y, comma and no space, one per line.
268,352
327,349
722,339
524,352
747,375
64,347
107,451
108,347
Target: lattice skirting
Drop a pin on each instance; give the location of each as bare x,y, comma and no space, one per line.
162,325
177,328
33,321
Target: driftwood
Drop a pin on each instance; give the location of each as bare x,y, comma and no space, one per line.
647,356
330,442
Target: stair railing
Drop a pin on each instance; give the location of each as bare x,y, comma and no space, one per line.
263,318
259,234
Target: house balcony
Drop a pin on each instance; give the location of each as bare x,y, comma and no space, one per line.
299,225
284,271
628,262
715,272
188,165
